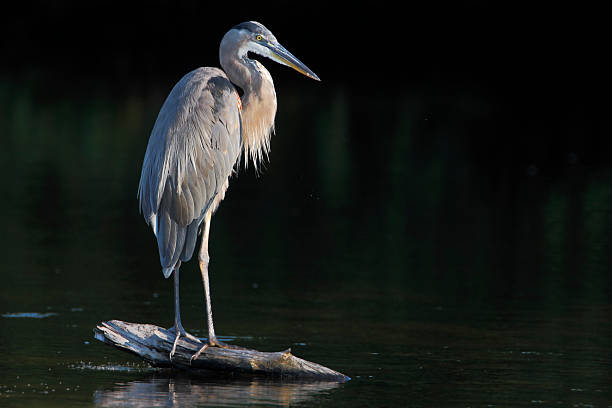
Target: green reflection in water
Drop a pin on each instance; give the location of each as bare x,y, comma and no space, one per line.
332,145
373,229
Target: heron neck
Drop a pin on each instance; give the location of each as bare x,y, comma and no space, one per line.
258,106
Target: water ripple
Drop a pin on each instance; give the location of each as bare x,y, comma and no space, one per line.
32,315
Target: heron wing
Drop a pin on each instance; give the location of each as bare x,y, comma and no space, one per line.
191,153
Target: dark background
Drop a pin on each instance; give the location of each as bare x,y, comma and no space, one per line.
540,67
466,104
434,219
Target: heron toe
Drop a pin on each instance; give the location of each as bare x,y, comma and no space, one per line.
180,332
210,343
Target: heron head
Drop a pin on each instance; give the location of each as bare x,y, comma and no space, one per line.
256,38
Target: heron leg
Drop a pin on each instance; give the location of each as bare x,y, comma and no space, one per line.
204,259
178,326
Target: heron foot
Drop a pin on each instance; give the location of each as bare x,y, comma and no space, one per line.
180,332
210,343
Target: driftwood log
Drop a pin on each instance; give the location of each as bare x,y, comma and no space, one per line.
153,344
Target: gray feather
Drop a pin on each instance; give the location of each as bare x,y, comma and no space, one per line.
191,153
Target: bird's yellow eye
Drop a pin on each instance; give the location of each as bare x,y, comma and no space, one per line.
259,37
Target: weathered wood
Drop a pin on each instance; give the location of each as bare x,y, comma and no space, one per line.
153,344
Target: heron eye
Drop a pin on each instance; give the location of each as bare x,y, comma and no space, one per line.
259,37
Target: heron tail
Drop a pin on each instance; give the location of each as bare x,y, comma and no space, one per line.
167,271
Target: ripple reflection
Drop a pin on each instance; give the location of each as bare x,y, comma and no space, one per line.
184,391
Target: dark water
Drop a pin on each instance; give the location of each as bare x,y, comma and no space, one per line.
414,242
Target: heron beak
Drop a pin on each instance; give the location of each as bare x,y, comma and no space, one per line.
282,56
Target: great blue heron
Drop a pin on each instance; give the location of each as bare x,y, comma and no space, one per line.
202,129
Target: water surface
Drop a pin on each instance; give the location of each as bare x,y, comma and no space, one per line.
409,254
